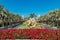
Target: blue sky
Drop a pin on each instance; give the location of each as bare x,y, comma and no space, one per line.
25,7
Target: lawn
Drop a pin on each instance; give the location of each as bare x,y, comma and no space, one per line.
23,26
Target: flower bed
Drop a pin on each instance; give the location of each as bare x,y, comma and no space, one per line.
47,34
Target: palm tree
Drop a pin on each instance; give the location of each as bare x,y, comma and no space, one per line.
1,15
32,15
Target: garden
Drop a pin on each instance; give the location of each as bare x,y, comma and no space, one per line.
31,33
14,26
30,30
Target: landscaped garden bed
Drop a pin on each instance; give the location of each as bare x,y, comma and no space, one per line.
47,34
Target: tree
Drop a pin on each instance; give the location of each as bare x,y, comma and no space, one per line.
32,15
1,7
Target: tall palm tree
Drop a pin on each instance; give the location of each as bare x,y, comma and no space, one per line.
1,15
32,15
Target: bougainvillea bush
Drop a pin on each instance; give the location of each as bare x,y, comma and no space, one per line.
47,34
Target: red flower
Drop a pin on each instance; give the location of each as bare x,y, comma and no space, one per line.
29,33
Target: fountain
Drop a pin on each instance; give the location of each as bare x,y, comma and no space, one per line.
32,23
